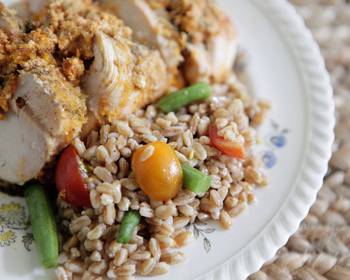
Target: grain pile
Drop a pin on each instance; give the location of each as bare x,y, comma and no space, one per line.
90,249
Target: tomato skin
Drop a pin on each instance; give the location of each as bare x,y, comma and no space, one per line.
225,146
69,180
160,176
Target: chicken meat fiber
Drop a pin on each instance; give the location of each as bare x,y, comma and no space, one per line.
67,67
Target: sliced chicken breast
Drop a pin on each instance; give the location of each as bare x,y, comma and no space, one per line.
152,29
46,114
207,55
123,77
45,95
25,148
197,64
213,58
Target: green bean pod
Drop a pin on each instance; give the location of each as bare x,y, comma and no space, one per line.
43,224
185,96
129,222
195,180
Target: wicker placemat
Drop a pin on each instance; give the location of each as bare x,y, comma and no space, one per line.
321,247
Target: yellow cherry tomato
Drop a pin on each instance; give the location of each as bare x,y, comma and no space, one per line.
157,170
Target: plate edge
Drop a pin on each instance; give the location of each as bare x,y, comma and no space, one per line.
321,115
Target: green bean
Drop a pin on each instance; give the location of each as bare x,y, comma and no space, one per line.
130,220
195,180
43,224
183,97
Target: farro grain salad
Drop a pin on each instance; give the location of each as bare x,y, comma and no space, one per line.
131,113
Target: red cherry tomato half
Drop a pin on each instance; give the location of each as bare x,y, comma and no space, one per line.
69,179
225,146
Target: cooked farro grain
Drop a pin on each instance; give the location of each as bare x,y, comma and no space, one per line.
98,267
165,229
173,258
237,209
129,184
87,275
165,211
154,248
147,266
71,242
95,199
126,270
92,245
79,222
121,257
225,219
106,199
146,211
74,266
186,210
199,151
160,268
61,274
123,168
91,250
165,241
183,238
123,128
120,215
79,146
96,232
215,199
125,152
140,255
184,197
124,204
63,258
103,174
130,277
113,248
90,152
131,248
95,256
82,233
203,216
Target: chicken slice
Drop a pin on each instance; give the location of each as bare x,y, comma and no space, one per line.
152,29
197,64
46,114
9,21
26,8
25,148
123,77
54,103
212,59
211,45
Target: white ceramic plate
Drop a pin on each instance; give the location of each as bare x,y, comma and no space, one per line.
285,66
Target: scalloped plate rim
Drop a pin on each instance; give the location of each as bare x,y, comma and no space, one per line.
238,265
276,232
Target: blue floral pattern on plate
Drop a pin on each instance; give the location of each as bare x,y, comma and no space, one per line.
275,141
